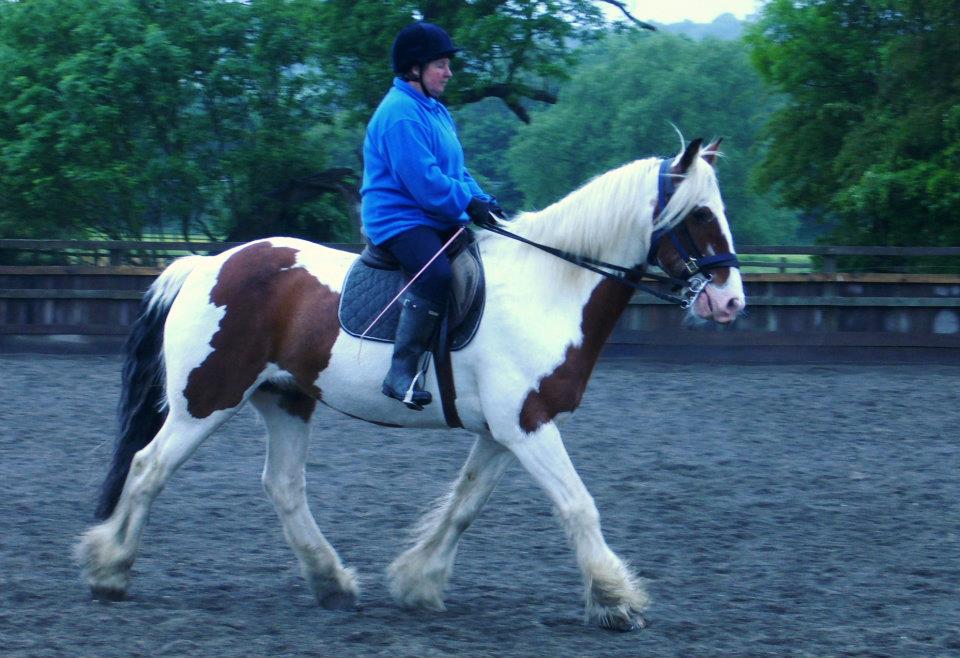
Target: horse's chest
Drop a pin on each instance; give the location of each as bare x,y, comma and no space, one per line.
574,350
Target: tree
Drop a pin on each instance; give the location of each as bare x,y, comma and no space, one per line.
869,140
619,106
513,51
486,129
127,116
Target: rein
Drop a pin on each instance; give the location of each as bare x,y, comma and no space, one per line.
695,263
626,275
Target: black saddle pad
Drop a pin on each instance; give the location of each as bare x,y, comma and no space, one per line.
367,290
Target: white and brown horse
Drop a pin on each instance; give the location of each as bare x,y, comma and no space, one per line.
259,324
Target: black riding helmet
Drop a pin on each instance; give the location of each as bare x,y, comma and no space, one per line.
419,44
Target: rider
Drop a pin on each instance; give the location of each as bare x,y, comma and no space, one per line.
416,193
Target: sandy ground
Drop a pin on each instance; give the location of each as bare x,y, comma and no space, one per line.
773,509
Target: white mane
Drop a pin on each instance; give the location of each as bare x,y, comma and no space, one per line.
611,216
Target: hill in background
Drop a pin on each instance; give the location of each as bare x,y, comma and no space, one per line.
724,26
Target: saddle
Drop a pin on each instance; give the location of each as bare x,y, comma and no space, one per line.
374,281
376,278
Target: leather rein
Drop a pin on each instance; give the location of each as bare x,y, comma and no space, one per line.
696,265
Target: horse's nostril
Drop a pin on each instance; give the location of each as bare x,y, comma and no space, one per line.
734,305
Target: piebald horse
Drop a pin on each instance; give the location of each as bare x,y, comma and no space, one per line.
259,324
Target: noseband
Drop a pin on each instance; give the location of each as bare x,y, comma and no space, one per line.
695,275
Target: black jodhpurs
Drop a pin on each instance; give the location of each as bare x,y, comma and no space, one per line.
413,248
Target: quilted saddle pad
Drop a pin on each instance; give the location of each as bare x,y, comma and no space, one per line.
367,290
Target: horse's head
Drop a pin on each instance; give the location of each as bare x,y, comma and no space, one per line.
693,243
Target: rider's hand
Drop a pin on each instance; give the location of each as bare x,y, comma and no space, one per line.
480,211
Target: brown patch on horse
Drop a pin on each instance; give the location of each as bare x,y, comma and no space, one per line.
563,388
293,401
705,230
275,313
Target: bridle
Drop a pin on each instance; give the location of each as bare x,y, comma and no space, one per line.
696,267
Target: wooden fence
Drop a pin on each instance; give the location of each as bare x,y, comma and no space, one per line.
91,289
152,253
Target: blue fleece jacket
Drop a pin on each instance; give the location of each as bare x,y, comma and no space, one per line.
413,173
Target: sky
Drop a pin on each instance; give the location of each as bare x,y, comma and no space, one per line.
698,11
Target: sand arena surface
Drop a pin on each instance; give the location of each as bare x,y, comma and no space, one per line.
773,509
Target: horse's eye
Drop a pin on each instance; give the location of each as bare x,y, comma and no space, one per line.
702,215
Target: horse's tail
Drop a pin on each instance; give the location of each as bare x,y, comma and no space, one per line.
142,409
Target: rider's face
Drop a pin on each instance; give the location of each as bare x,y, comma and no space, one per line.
435,75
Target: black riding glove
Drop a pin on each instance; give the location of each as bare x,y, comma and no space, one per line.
479,212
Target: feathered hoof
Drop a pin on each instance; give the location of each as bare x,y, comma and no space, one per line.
105,565
413,587
622,622
338,591
417,597
107,594
338,601
426,603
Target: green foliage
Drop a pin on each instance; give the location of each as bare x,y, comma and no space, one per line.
512,50
869,140
123,116
619,105
486,129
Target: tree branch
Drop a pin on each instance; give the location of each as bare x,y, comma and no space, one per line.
622,6
510,94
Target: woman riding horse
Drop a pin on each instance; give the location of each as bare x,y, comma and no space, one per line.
258,324
416,193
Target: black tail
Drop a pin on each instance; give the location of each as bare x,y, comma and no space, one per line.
141,411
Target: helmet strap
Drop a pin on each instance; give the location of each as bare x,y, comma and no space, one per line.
417,77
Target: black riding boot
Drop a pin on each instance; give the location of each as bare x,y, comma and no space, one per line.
418,324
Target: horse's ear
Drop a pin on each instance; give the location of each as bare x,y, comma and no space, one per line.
711,151
691,152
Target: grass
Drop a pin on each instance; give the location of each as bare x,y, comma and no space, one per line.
767,263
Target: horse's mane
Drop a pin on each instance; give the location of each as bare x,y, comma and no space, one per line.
607,210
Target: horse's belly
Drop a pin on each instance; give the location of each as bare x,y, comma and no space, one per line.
351,384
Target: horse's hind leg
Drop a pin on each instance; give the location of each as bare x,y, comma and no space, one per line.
107,550
419,575
287,417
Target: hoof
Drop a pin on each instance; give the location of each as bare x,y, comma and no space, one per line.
338,601
622,623
108,594
423,605
337,591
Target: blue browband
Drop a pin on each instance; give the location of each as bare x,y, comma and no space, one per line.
666,186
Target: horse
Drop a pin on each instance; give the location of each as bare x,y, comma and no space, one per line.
258,324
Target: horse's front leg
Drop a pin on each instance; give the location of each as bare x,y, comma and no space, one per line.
614,596
419,575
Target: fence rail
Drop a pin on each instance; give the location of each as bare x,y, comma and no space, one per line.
120,252
92,289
